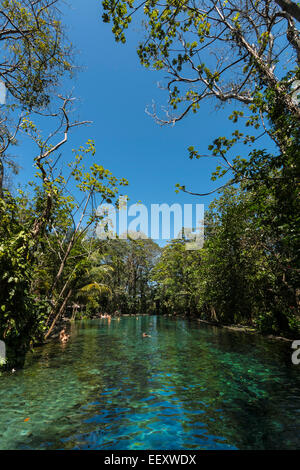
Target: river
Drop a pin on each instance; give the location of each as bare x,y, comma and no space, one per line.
188,386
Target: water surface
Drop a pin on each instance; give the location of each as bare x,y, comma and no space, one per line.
189,386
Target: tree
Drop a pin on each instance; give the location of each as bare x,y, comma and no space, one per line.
242,52
242,275
211,48
20,315
290,7
177,276
132,261
247,53
53,218
36,51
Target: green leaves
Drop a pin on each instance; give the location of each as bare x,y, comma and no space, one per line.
36,52
19,321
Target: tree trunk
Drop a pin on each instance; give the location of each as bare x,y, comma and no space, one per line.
290,7
60,311
1,177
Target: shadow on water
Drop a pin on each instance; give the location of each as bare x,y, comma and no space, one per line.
186,387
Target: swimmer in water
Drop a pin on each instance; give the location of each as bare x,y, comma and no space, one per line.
63,337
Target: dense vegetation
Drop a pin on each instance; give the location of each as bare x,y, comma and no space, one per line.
247,54
51,263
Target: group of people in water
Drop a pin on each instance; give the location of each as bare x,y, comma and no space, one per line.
64,336
105,315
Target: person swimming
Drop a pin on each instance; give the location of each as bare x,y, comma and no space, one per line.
63,336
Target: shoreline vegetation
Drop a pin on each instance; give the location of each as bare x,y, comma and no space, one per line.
246,329
51,259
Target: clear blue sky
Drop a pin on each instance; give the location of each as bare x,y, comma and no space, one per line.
114,90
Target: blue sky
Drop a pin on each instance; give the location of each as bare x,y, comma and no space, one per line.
113,91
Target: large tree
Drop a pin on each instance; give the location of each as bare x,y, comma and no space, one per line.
246,53
35,55
215,48
35,52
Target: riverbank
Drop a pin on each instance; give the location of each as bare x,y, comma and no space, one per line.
245,329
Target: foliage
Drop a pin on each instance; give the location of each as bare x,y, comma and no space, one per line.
131,262
212,48
242,274
51,263
246,53
21,321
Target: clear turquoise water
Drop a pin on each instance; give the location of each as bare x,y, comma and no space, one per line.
186,387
